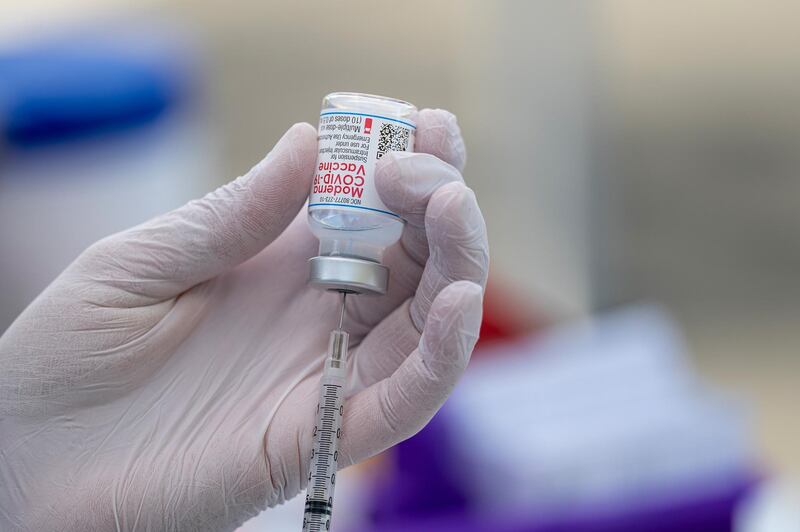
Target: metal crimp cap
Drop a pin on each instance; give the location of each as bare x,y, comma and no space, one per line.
348,274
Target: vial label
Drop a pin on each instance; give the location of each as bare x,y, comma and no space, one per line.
349,146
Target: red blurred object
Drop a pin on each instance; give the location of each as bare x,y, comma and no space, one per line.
506,315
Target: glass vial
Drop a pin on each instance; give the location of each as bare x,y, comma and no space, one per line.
353,225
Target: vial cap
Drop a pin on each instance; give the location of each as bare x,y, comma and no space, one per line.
348,274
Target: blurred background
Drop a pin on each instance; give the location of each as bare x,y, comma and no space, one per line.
638,167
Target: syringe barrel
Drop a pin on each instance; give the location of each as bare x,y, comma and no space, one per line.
327,431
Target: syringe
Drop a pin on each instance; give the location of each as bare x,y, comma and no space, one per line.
327,431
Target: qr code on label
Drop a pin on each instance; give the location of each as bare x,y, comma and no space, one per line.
393,138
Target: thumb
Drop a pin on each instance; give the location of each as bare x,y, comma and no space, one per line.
399,406
173,252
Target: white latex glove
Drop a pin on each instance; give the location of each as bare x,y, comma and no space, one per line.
167,380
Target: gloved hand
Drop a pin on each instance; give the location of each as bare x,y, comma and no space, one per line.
167,380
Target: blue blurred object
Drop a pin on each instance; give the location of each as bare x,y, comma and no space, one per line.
101,127
83,86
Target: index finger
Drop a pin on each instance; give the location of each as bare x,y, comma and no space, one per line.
438,134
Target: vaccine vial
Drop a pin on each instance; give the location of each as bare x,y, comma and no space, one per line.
353,225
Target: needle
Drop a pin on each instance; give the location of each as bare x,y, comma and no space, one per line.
341,316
